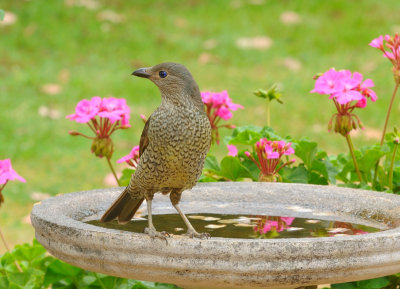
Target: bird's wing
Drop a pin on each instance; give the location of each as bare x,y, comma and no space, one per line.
144,138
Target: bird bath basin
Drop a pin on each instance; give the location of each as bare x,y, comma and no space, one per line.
230,262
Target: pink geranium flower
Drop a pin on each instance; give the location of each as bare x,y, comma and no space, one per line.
267,224
7,173
390,46
218,106
132,158
269,155
348,91
103,116
86,110
377,42
329,83
114,109
233,151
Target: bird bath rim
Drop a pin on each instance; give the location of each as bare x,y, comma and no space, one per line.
253,263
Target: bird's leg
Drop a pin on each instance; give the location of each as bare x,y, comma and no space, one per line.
151,230
175,197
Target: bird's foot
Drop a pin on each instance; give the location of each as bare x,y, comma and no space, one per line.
193,234
155,234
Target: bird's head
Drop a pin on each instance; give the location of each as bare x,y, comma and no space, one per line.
174,81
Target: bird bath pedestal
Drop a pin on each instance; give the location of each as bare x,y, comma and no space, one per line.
225,262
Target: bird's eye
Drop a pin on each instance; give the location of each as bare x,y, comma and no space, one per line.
163,74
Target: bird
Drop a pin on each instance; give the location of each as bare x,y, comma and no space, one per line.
173,146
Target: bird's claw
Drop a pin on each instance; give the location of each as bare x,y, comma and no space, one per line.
193,234
155,234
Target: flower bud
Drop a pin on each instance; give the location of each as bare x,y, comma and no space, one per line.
71,132
102,147
344,124
267,178
143,117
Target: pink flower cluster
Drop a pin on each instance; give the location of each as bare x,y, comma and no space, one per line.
132,158
7,173
103,116
278,224
345,87
219,103
393,46
218,106
269,154
110,108
348,91
232,150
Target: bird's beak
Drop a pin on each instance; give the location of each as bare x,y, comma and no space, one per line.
141,72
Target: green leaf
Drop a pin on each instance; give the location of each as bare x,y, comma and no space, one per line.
19,280
322,171
232,169
294,175
28,252
126,177
369,157
105,281
2,14
165,286
4,282
349,285
306,151
247,137
63,268
58,270
332,171
252,168
211,163
207,179
376,283
316,179
88,279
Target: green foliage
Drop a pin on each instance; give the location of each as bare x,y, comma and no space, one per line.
231,169
126,177
313,165
2,13
377,283
42,271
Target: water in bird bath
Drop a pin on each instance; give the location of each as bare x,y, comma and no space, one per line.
240,226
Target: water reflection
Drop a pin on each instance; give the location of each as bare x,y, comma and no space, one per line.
269,227
250,226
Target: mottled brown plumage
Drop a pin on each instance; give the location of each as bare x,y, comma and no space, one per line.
173,146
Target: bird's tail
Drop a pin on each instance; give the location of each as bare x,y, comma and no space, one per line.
124,208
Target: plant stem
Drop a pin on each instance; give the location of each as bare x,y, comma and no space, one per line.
8,250
351,147
388,112
113,171
391,167
384,130
268,112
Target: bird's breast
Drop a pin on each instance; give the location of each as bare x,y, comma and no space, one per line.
185,128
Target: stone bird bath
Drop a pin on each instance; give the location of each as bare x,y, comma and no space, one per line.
224,262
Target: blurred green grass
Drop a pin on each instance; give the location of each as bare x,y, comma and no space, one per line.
90,47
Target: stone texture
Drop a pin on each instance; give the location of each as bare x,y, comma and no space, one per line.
230,263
